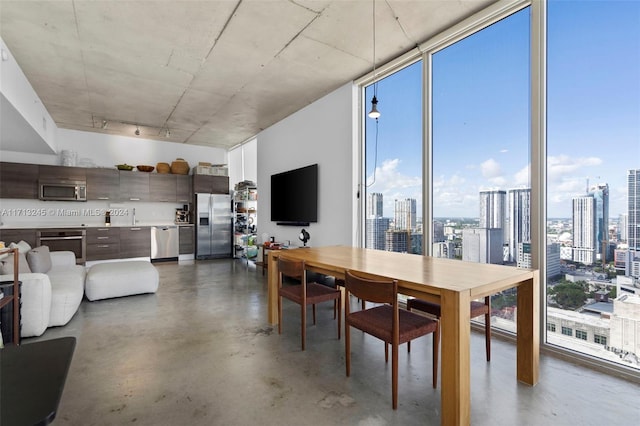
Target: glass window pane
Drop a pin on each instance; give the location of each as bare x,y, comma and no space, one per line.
481,182
393,150
593,177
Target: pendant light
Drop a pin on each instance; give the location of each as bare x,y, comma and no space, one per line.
374,113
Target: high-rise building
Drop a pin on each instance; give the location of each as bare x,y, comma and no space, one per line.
493,211
397,240
519,220
405,214
375,232
482,245
633,219
374,205
623,230
584,229
438,232
600,193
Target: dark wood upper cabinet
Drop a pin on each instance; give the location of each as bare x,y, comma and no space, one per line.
18,180
134,186
210,184
103,184
62,173
184,194
162,187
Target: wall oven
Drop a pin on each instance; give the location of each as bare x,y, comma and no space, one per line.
74,240
63,190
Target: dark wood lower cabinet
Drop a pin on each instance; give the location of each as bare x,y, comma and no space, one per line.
186,240
135,241
16,235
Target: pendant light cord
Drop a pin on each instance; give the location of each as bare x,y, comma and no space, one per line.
375,80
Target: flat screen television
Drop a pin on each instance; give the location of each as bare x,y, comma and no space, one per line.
294,196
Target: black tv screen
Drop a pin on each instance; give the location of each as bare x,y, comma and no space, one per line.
294,196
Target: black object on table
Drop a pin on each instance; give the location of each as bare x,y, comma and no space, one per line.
32,378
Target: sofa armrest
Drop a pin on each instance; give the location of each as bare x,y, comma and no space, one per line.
62,259
35,302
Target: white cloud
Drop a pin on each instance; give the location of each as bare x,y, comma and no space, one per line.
561,166
504,151
522,177
490,169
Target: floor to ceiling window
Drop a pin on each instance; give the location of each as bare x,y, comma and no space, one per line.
593,171
481,184
393,150
482,191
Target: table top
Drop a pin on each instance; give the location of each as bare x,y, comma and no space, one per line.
421,273
32,378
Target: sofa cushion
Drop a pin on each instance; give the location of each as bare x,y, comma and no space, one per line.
6,265
39,259
22,246
67,290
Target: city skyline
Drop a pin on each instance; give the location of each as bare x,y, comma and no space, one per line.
475,150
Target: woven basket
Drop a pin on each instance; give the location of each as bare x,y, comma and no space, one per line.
180,167
163,168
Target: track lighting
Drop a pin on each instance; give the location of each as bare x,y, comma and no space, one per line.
167,133
137,132
104,124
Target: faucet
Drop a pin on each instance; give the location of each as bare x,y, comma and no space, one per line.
134,217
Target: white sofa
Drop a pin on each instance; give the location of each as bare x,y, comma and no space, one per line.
53,298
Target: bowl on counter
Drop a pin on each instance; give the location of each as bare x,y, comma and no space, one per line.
124,167
145,168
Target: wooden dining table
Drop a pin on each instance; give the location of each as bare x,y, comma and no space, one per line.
452,284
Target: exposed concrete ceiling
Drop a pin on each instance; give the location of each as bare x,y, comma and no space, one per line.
214,73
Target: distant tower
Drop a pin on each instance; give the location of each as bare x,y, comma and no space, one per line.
375,232
633,214
600,194
374,205
493,211
405,214
584,229
519,220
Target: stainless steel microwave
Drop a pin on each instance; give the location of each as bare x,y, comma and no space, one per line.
63,190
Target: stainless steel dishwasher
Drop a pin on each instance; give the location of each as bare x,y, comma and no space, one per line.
164,243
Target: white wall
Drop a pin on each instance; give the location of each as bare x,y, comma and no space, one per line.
22,111
321,133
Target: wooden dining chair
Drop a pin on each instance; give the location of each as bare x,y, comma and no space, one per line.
304,294
477,309
387,322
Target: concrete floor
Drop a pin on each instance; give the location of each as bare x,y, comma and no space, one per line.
199,352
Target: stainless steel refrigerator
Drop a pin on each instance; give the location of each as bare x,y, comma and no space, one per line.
214,221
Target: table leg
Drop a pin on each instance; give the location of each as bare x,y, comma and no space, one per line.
528,329
272,289
455,371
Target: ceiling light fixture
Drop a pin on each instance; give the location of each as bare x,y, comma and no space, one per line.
137,132
105,123
374,113
167,133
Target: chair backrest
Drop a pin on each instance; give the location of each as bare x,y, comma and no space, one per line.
376,291
291,268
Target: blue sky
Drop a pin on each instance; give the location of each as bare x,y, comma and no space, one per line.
481,112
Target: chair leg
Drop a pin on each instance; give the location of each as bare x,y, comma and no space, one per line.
386,352
303,324
487,335
279,314
314,314
436,352
394,375
347,347
339,303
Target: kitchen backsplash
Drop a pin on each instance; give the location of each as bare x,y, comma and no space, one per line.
34,213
